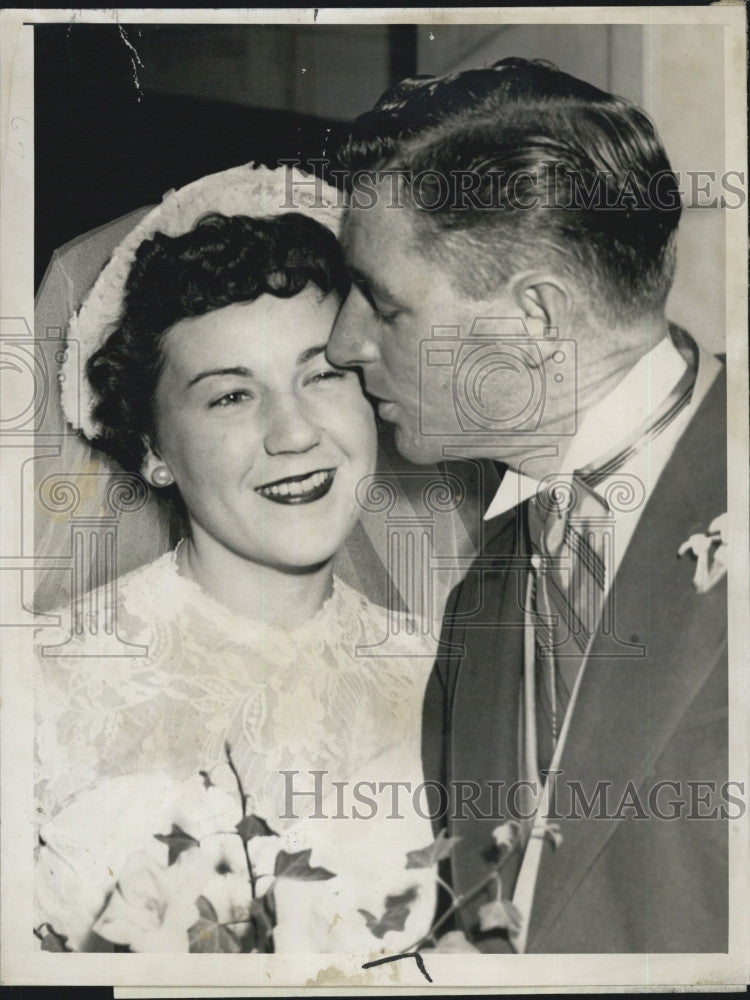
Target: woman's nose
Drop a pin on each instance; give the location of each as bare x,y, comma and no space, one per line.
289,427
351,341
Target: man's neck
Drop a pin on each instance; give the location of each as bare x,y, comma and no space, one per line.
602,363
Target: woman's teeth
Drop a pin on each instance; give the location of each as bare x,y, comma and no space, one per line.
296,487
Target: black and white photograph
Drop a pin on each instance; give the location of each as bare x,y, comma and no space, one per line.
374,538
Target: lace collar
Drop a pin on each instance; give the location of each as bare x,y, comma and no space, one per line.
175,594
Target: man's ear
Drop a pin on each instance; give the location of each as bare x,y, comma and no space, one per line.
546,305
544,301
154,468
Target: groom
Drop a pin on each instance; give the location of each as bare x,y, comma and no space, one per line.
511,243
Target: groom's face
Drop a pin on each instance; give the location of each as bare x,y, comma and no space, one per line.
400,302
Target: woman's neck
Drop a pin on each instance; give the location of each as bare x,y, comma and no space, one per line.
255,590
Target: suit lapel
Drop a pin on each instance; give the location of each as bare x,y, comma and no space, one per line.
484,746
629,706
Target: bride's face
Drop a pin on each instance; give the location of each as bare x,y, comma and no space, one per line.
265,439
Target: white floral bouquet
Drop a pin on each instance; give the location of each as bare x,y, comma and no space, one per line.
208,880
206,885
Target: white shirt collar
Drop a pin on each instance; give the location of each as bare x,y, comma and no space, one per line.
613,418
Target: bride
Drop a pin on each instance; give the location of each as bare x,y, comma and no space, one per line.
253,709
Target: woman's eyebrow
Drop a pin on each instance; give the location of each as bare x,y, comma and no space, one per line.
311,352
237,370
241,371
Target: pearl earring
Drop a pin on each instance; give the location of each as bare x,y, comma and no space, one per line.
161,476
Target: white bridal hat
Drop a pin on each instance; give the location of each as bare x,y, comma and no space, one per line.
247,190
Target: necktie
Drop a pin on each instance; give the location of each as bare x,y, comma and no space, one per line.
567,595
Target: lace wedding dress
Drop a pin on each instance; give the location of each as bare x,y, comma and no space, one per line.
336,700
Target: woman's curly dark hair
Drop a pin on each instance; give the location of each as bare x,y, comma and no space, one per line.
220,261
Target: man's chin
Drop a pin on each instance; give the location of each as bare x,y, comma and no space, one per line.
417,448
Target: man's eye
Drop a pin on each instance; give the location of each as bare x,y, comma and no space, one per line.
386,318
231,398
382,316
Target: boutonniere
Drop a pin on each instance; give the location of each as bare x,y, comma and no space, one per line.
710,551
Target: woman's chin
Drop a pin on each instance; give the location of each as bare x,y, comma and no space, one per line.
291,538
302,559
295,559
310,534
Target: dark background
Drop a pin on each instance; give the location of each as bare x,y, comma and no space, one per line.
126,112
104,147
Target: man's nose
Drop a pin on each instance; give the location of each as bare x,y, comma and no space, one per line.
352,342
289,427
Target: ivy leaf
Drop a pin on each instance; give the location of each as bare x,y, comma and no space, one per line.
298,866
207,934
261,920
428,856
269,904
263,913
500,914
397,909
253,826
51,940
177,841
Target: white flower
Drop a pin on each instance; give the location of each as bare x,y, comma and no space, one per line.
500,914
204,811
454,943
710,551
506,834
104,843
154,906
147,911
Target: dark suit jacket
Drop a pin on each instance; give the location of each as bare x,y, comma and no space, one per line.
615,884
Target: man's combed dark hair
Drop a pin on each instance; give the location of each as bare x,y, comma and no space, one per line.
477,147
222,260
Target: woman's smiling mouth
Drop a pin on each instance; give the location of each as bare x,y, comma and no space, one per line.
298,489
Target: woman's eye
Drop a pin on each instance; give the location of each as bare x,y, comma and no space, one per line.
232,398
327,375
